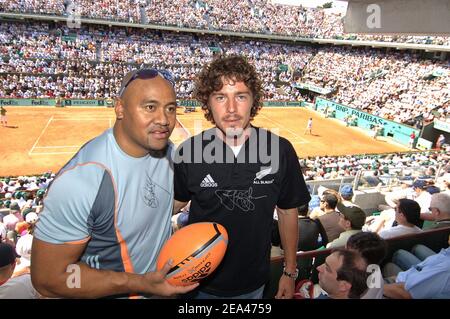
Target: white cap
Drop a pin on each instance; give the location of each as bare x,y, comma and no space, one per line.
31,218
23,248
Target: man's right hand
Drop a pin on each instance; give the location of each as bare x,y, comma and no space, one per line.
51,278
158,285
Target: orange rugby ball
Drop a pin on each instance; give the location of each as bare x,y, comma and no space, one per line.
196,250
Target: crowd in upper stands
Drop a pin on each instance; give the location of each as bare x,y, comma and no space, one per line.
91,66
391,85
407,166
253,16
43,60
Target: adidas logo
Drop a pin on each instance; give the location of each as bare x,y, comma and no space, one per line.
208,182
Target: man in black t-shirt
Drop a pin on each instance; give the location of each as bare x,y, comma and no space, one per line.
236,174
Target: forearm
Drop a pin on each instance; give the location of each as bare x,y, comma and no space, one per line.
81,281
380,225
396,291
288,226
177,206
427,216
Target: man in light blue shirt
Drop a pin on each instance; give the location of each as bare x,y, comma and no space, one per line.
107,212
429,279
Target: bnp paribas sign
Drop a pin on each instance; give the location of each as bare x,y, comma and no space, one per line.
441,125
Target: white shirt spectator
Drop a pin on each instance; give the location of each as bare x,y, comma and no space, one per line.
23,248
11,220
18,288
424,200
399,230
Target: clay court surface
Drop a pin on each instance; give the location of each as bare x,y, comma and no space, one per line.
41,139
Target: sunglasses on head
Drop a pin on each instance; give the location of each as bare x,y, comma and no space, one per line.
148,74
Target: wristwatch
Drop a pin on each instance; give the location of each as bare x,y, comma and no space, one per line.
293,275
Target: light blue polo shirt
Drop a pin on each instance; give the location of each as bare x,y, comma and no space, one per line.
120,205
430,279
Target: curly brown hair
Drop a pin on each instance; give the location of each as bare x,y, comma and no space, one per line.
233,67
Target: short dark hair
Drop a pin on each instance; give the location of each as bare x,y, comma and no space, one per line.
303,209
233,67
351,272
411,210
370,245
331,200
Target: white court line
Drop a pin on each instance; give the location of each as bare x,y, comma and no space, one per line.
184,128
83,119
79,116
303,141
42,133
53,153
69,146
77,146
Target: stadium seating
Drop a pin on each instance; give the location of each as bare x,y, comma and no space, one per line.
38,63
252,16
307,262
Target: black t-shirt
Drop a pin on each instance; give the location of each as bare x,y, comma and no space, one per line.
241,194
308,234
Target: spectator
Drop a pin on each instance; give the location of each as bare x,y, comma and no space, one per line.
440,141
310,232
347,195
343,275
440,210
352,220
422,197
320,210
407,216
13,218
23,248
13,288
425,280
373,249
330,220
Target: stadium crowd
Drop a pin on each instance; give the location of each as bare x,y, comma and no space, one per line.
391,85
21,200
91,65
403,165
37,60
253,16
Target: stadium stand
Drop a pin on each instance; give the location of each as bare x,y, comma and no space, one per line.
252,16
394,85
309,261
41,59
